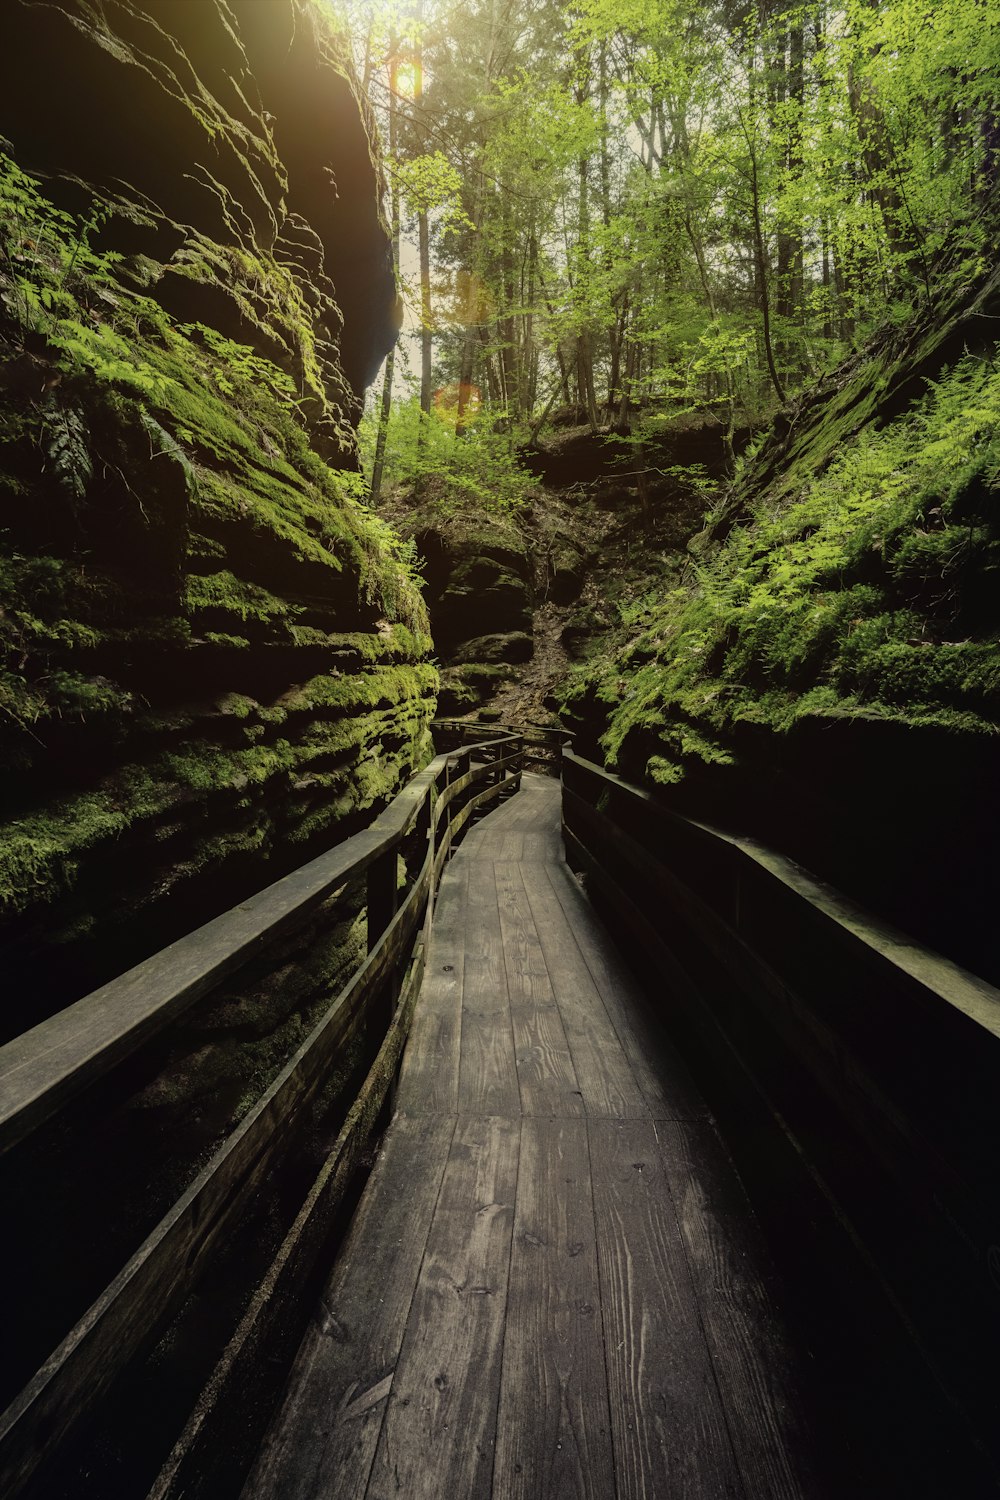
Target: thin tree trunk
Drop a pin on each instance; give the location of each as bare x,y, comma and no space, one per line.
385,410
424,252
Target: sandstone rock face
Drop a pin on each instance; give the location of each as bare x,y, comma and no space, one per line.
478,577
212,661
827,676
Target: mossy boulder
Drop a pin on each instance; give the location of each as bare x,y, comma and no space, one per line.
512,646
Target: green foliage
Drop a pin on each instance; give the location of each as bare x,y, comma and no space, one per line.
866,590
663,205
477,474
65,439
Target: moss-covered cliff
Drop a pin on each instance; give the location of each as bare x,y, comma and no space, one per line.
214,658
828,672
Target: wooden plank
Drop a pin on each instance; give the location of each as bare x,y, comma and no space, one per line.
46,1066
606,1079
668,1422
541,846
487,1069
554,1427
667,1086
757,1374
545,1072
429,1081
439,1429
199,1466
166,1266
330,1422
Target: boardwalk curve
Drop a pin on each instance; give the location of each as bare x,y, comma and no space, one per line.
553,1285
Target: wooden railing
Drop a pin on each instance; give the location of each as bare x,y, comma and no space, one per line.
878,1059
543,743
46,1068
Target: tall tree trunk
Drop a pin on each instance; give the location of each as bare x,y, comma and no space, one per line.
385,410
426,314
424,250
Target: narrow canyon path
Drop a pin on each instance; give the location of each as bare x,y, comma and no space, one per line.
554,1285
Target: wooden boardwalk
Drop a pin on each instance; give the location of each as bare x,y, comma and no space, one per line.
553,1286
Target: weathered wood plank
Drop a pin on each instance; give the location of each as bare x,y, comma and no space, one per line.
545,1071
540,846
165,1267
487,1069
662,1075
330,1422
200,1465
669,1426
554,1428
757,1375
439,1429
429,1080
46,1066
606,1078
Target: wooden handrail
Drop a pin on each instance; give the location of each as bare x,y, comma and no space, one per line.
54,1061
878,1058
543,742
969,995
45,1067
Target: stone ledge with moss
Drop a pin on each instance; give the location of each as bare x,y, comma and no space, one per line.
827,675
215,659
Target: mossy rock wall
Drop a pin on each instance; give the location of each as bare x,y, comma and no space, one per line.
827,675
479,592
215,659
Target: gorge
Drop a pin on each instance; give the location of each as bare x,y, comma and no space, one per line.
686,468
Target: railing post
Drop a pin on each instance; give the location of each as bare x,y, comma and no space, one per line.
426,848
463,764
382,885
382,904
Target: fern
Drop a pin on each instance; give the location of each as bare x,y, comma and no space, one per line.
165,444
65,439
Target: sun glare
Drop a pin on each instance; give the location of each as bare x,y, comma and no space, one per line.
409,79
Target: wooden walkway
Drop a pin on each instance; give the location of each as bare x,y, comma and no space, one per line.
553,1285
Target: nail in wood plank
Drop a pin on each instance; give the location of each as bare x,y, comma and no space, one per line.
545,1071
730,1267
487,1071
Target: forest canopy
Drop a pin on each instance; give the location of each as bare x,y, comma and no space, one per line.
636,209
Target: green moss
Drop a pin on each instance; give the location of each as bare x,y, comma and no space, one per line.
224,593
388,685
168,482
854,590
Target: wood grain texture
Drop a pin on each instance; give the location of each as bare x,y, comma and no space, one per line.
554,1429
429,1078
670,1432
331,1418
438,1434
199,1466
487,1069
545,1071
755,1367
607,1081
163,1270
46,1066
586,1305
667,1086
